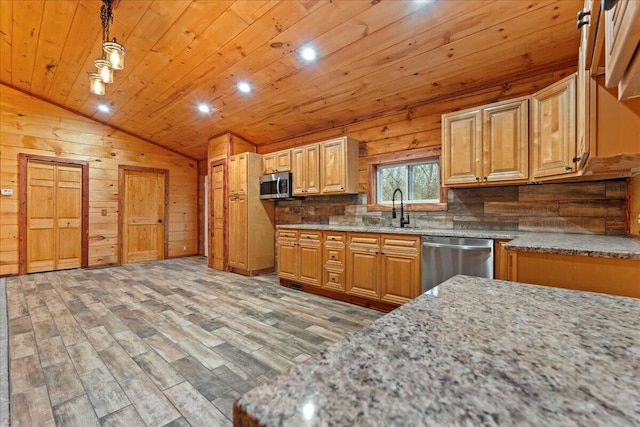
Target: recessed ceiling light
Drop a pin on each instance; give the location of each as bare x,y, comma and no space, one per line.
204,108
308,54
104,108
244,87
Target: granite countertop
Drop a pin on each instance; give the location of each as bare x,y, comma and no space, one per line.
552,243
471,351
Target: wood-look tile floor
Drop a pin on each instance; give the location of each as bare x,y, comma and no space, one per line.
168,342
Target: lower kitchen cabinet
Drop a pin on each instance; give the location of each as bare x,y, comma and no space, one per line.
300,256
500,267
604,275
379,270
383,267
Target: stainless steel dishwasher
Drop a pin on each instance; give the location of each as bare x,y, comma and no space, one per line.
444,257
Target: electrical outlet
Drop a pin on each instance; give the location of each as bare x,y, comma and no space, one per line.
7,192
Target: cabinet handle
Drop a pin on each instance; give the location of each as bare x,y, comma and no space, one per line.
581,24
576,159
567,167
583,13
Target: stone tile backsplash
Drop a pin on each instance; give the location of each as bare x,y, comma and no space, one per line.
597,207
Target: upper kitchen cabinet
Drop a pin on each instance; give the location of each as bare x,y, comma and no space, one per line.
280,161
325,168
339,166
238,174
304,168
489,144
622,38
553,130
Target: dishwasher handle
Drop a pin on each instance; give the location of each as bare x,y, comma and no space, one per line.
453,246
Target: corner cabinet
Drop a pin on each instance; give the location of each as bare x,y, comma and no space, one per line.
486,145
248,215
553,130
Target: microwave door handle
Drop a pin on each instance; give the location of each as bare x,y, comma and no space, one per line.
278,187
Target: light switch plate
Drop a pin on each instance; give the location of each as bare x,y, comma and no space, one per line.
7,192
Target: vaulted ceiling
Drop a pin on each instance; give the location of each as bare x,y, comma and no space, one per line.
374,56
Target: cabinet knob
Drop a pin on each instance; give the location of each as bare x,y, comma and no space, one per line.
485,178
567,167
332,257
477,178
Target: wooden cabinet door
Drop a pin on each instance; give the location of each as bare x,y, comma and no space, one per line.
269,163
462,147
400,268
238,174
553,123
310,258
362,268
583,109
298,171
505,141
333,163
238,232
283,161
312,165
288,255
622,32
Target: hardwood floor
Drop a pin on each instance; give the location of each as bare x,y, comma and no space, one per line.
167,342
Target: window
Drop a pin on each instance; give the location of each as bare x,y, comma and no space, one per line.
419,182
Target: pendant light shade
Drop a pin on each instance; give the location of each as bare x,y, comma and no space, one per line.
96,85
104,70
114,52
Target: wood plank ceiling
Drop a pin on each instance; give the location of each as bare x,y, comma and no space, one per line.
374,56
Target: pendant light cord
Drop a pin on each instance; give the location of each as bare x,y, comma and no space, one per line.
106,16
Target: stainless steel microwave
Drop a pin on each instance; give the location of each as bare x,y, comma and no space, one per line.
276,186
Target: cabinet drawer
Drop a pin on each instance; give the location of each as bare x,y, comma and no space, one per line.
402,243
334,279
334,238
334,256
287,234
364,240
309,236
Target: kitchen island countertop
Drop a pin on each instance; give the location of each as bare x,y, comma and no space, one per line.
470,352
620,247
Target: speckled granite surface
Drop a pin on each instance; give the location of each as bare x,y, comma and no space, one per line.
552,243
474,352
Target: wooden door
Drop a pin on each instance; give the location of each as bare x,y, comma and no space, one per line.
287,254
333,163
238,232
143,216
54,217
505,141
553,123
461,147
363,265
310,257
312,165
217,223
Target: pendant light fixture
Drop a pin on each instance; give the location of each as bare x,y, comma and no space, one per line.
112,52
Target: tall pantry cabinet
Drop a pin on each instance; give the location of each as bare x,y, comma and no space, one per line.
250,221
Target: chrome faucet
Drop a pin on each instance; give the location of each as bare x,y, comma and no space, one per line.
403,221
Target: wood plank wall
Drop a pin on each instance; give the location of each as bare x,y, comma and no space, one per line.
418,126
30,125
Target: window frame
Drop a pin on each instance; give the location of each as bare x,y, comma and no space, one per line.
403,157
